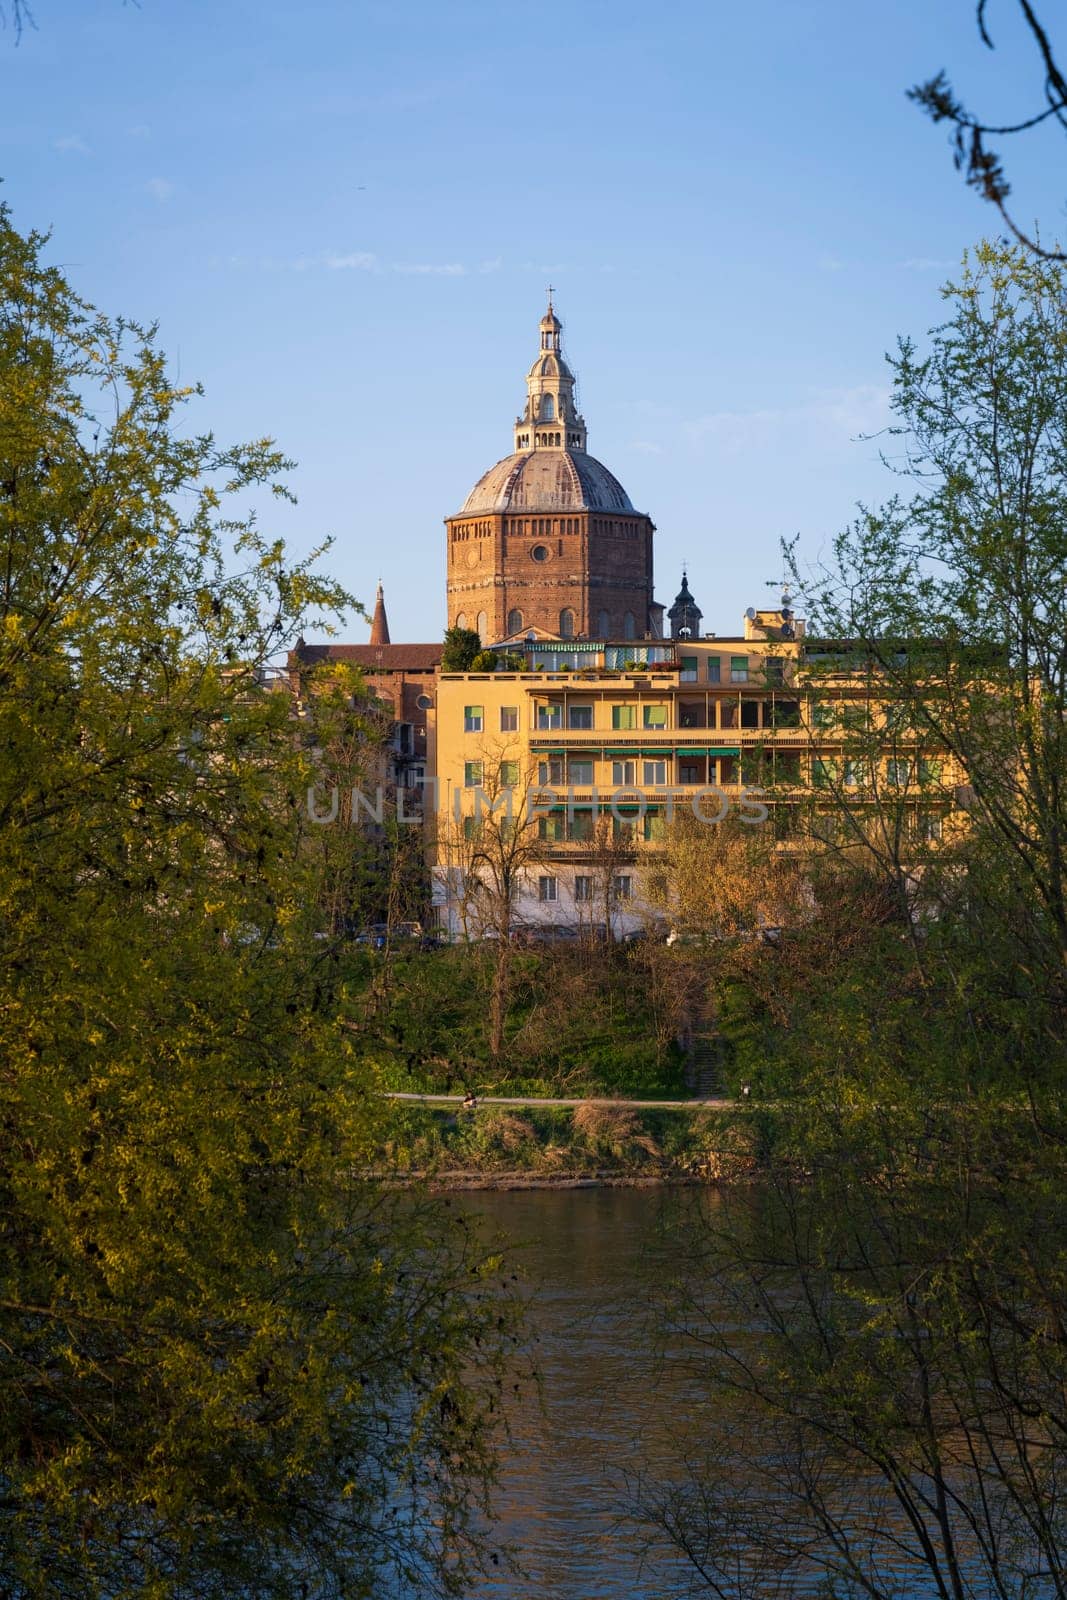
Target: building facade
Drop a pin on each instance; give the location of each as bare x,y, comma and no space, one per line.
757,725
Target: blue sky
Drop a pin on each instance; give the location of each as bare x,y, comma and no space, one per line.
343,217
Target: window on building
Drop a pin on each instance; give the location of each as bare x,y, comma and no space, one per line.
929,770
693,771
629,626
654,827
472,774
738,669
727,770
509,774
714,669
823,714
580,717
551,771
547,889
580,772
691,714
583,889
483,626
655,716
654,772
785,713
728,713
509,719
787,767
928,827
603,625
461,620
550,828
514,621
470,827
855,718
624,774
897,718
823,772
750,713
548,408
774,669
622,828
854,774
473,719
898,773
623,717
622,886
688,673
580,826
550,715
566,623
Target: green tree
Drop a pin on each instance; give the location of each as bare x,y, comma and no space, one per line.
230,1366
461,647
881,1327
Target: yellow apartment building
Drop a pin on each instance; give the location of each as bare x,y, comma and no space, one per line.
791,735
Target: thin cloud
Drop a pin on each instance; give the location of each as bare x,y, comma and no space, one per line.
160,189
352,261
927,264
492,266
71,142
829,414
431,269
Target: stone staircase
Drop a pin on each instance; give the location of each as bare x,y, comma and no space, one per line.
703,1055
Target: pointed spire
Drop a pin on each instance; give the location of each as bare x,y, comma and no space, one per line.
379,628
685,615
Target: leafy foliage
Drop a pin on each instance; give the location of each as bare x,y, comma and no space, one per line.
230,1366
461,647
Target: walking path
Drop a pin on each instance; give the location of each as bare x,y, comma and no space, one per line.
581,1100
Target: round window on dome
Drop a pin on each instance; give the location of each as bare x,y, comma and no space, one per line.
539,552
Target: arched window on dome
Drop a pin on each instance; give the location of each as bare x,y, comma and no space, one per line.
629,626
483,625
566,623
548,408
461,620
603,625
514,622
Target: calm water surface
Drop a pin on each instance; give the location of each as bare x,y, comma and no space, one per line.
592,1259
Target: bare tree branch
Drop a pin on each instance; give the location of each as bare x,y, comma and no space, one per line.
982,167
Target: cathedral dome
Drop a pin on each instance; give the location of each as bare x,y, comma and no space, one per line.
547,480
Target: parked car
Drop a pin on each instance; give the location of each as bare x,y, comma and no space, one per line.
378,934
552,933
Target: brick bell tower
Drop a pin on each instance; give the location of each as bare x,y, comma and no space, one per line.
548,539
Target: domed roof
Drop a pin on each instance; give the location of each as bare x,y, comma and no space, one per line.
547,480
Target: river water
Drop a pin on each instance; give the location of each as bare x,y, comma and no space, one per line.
609,1403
